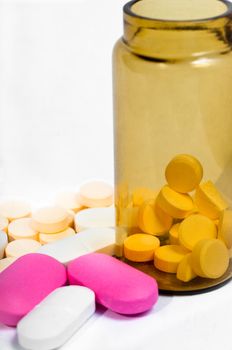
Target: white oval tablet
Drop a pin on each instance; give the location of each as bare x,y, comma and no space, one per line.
95,218
52,322
22,228
101,240
96,194
65,250
3,243
21,247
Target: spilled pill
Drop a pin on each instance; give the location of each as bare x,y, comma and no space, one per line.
101,240
45,238
69,201
50,219
25,283
95,218
140,247
116,285
14,209
21,247
96,194
64,250
22,228
56,318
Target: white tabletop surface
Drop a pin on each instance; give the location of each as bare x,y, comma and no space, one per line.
201,322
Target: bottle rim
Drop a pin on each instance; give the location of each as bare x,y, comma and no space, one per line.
127,9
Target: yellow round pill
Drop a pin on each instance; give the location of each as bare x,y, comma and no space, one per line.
153,220
14,209
209,200
21,247
184,173
176,204
195,228
210,258
22,228
140,247
143,194
50,219
185,271
45,238
4,222
174,234
225,228
168,257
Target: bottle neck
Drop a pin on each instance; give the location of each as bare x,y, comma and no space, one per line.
177,39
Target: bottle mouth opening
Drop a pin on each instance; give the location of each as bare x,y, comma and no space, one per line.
178,11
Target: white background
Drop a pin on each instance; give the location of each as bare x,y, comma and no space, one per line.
56,120
56,131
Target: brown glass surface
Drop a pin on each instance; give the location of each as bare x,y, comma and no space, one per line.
169,282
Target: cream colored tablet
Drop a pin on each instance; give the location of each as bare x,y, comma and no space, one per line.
96,194
69,201
4,263
21,247
95,217
4,222
45,238
101,240
22,228
14,209
50,219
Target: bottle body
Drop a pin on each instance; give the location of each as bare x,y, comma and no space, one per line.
167,105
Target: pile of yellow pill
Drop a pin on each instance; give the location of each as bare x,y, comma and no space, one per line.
26,229
190,219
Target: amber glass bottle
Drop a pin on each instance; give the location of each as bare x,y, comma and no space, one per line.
172,77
